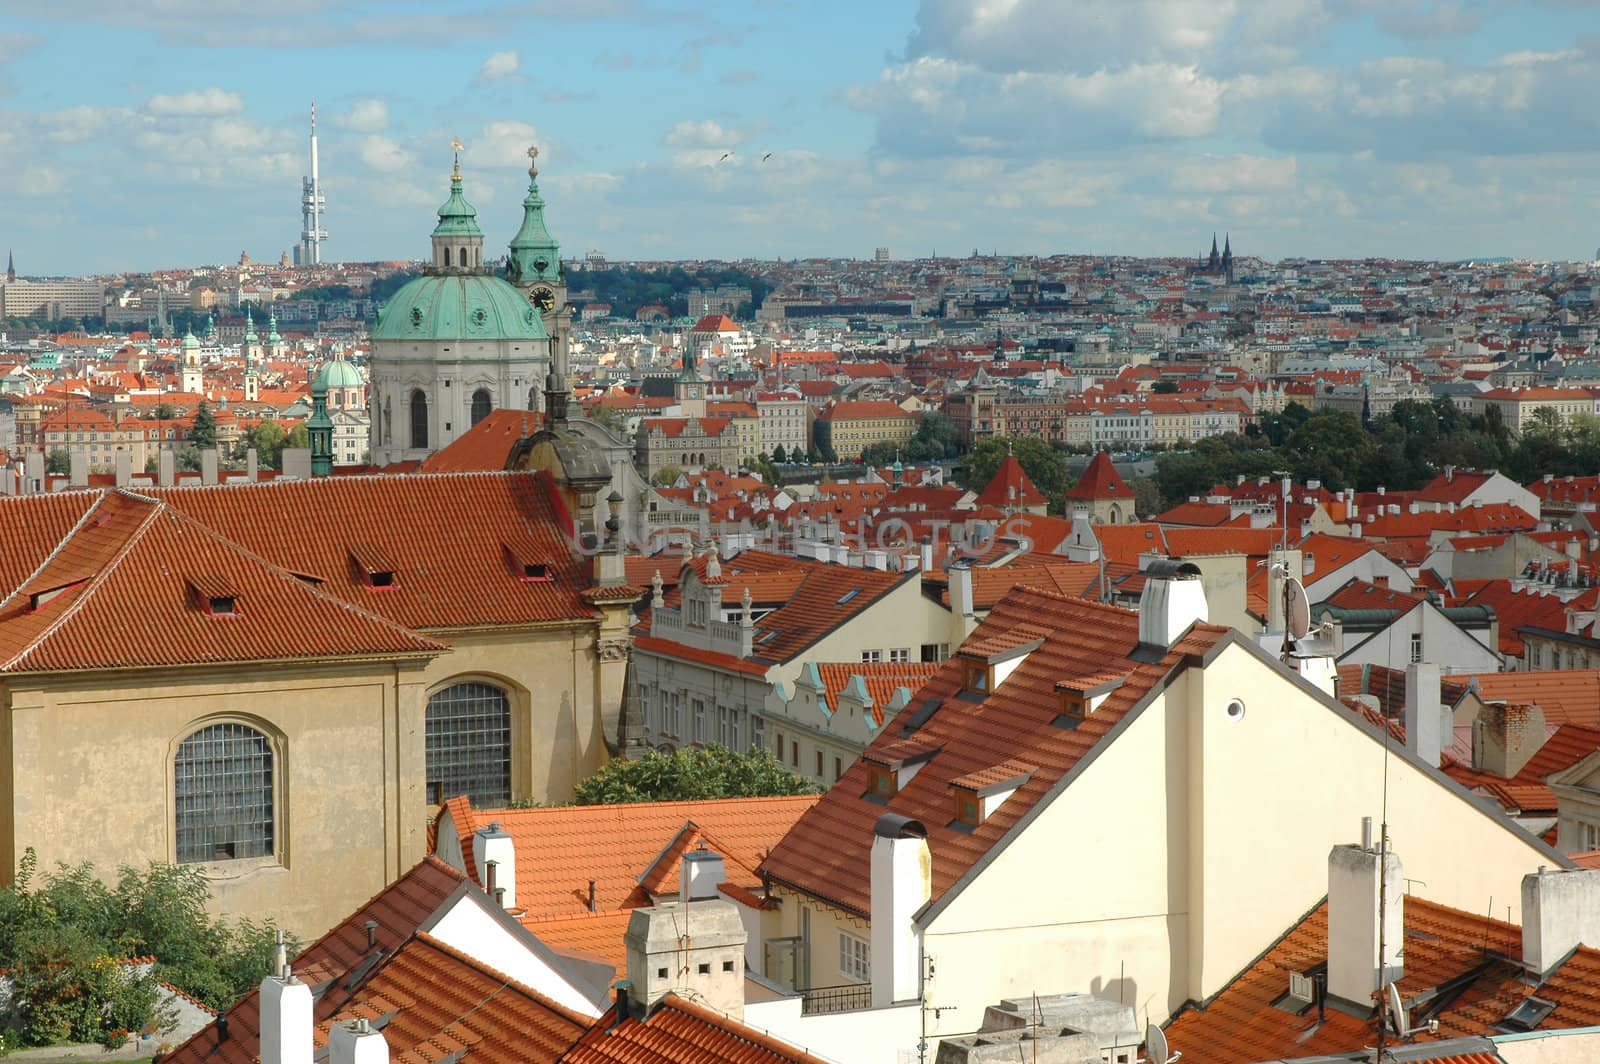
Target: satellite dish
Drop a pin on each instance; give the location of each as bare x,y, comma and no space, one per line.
1296,608
1155,1045
1397,1012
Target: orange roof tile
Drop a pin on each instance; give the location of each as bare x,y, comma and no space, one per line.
678,1031
826,854
1010,487
1100,481
486,445
560,849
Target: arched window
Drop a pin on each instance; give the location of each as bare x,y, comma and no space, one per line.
463,257
388,420
481,405
447,256
468,744
223,794
419,419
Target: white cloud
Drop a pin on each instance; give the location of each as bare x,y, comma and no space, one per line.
703,134
367,116
205,102
503,144
499,65
385,156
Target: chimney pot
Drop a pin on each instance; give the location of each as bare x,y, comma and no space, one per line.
493,847
356,1043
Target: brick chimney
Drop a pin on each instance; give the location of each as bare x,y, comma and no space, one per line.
1505,737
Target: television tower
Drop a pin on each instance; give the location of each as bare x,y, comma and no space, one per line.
312,204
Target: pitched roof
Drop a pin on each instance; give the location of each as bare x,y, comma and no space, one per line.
453,538
485,446
560,849
1459,969
1100,481
1457,485
1010,487
1567,696
678,1031
399,910
827,852
137,584
880,680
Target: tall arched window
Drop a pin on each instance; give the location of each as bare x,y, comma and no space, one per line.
462,257
468,744
388,420
223,794
419,418
481,405
447,256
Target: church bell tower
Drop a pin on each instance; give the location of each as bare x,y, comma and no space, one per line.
534,265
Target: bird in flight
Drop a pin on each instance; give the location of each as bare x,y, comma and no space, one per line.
767,156
725,156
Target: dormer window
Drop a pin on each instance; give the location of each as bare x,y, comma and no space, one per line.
880,782
987,664
892,766
41,598
978,794
214,595
526,562
374,567
1081,697
976,677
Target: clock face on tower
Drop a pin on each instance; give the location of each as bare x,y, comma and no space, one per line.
544,299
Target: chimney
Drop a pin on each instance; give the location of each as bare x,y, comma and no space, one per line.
1426,722
696,950
356,1043
702,872
78,468
166,468
286,1015
1172,600
1354,974
252,465
493,843
208,466
902,883
124,469
1277,576
1507,737
1560,912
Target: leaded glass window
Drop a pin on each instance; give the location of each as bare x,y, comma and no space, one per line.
223,792
469,745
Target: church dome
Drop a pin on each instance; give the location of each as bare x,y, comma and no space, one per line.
458,307
337,373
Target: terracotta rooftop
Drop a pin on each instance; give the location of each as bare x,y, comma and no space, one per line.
1458,970
485,446
678,1031
560,849
826,854
1010,487
1100,481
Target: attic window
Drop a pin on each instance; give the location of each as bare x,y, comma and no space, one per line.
535,571
848,595
976,677
526,562
979,794
214,594
374,566
220,606
1528,1014
1081,697
880,782
37,600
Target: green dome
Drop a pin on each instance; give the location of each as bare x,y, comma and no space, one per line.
456,215
456,306
337,373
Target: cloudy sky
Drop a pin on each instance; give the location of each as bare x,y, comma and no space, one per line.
156,133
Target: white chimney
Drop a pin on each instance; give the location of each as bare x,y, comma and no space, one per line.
1426,724
1560,912
696,950
702,872
1172,600
286,1015
902,883
356,1043
1354,974
493,843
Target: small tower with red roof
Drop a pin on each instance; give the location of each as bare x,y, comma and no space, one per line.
1011,490
1102,493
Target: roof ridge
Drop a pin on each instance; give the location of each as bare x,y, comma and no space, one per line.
93,583
57,549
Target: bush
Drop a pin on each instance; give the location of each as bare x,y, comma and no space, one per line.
712,772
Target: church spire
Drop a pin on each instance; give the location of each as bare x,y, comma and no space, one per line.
535,255
11,268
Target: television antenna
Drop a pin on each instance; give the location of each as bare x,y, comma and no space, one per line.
1156,1050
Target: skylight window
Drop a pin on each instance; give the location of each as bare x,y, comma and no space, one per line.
1528,1014
848,595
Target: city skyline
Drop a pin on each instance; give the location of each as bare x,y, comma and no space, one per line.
1336,128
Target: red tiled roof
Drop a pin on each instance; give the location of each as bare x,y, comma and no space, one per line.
1100,481
132,586
485,446
678,1031
399,909
560,849
446,534
881,680
1010,487
1242,1022
826,854
1456,486
853,409
1526,792
1567,696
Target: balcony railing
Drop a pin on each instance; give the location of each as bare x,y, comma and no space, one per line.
846,998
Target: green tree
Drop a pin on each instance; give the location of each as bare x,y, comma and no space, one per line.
299,439
163,412
1146,496
58,461
666,476
712,772
204,432
1165,388
1332,448
936,439
65,937
268,439
779,455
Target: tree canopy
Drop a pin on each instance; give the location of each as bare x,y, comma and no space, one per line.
64,934
1044,462
690,773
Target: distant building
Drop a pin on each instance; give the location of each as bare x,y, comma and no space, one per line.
880,255
50,300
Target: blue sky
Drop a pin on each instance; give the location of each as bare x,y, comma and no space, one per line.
157,133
